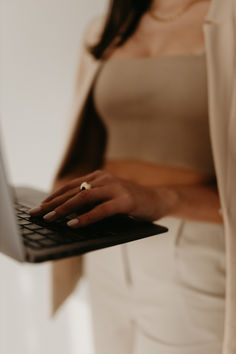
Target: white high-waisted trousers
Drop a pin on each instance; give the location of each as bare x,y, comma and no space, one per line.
161,295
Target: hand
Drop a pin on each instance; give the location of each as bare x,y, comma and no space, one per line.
109,195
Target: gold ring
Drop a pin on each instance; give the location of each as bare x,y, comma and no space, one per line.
85,186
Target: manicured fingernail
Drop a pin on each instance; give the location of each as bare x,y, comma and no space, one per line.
73,222
35,210
50,216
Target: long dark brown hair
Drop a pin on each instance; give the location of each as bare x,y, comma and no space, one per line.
122,19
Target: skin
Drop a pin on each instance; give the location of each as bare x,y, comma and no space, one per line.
148,191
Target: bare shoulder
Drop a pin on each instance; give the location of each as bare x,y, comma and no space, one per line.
94,29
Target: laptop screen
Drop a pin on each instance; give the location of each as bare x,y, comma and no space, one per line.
10,242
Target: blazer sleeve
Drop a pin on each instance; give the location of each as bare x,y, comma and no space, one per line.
230,218
84,153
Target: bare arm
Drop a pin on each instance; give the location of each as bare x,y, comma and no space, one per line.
111,195
193,202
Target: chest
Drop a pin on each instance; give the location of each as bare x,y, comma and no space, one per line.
154,91
155,110
153,38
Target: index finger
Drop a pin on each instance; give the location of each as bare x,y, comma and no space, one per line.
72,184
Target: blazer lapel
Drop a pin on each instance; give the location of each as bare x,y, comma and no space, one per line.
232,135
220,30
218,11
82,95
219,43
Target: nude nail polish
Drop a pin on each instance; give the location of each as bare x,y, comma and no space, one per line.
50,216
35,210
73,222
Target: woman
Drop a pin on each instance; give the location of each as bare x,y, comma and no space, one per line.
152,169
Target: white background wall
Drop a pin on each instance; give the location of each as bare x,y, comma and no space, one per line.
39,54
39,49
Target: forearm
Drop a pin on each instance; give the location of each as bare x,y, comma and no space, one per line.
112,195
193,202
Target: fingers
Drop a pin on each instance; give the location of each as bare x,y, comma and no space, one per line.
108,196
52,201
100,212
78,201
97,178
74,183
47,206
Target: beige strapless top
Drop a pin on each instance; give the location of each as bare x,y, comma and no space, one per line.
156,110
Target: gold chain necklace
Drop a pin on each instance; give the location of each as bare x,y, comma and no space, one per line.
172,17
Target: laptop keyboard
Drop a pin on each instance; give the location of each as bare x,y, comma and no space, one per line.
38,234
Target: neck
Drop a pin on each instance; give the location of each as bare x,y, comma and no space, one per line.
167,6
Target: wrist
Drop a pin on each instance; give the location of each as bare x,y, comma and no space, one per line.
168,200
193,202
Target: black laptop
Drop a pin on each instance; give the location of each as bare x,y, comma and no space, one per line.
31,239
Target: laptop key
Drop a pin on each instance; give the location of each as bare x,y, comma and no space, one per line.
32,227
39,221
60,239
32,244
34,237
25,231
23,222
47,242
24,215
44,231
23,208
19,212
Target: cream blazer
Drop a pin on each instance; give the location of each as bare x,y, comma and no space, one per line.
86,144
